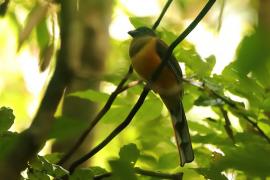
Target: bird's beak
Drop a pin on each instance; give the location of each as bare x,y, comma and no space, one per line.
132,33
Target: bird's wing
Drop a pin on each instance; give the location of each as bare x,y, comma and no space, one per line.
161,48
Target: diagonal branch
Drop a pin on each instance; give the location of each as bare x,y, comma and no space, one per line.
167,5
227,125
154,174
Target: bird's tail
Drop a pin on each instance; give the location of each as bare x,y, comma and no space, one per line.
180,126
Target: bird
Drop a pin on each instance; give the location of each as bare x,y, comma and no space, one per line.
146,52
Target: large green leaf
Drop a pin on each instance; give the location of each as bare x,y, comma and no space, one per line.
254,55
40,167
64,127
194,62
122,170
129,153
97,96
169,160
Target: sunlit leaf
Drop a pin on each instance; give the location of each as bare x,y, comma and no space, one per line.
96,96
116,114
96,170
40,164
208,101
249,156
140,21
129,153
253,56
72,127
169,160
53,157
82,174
150,109
193,60
37,14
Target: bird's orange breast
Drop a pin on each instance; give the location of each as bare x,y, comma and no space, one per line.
146,61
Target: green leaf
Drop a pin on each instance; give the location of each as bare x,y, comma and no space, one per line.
204,100
91,95
40,164
193,60
122,170
200,128
43,35
37,175
116,114
36,16
82,174
129,153
72,127
253,56
250,156
150,109
97,96
53,157
169,161
209,173
6,118
266,104
140,21
96,170
148,159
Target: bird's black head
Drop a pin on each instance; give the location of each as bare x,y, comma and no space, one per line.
142,31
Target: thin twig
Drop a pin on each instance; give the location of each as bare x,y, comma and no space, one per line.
130,85
175,176
227,125
162,14
255,125
102,112
156,174
146,90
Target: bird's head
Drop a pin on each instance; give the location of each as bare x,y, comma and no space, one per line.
141,31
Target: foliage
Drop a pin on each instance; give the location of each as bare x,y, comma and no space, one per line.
234,141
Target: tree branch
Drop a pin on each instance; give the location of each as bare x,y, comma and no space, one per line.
173,176
227,125
30,141
165,8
